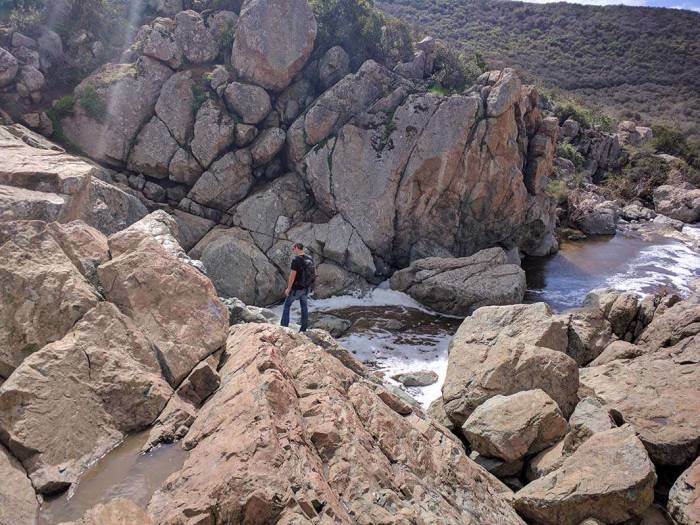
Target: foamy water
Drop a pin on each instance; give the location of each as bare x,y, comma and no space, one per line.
393,333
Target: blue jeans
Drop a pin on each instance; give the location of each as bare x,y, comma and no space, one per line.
303,296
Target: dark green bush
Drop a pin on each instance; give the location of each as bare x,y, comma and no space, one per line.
568,151
454,70
92,103
362,30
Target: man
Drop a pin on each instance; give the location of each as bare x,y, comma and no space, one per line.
300,280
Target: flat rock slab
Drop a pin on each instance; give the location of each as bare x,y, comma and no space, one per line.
459,286
610,478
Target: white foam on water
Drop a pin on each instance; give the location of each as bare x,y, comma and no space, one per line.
672,265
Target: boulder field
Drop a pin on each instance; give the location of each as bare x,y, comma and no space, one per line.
132,271
254,138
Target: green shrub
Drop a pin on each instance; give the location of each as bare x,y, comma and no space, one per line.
92,103
568,151
63,107
558,190
362,30
200,94
455,70
642,174
587,117
669,140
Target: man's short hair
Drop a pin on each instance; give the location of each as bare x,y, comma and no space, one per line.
298,246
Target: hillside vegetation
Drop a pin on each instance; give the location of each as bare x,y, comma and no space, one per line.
635,62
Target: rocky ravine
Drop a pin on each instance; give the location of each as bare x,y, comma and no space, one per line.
367,168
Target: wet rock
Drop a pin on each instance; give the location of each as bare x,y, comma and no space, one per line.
251,103
336,442
118,511
124,100
170,301
64,425
684,498
610,478
42,294
213,133
510,427
239,312
459,286
273,62
667,222
153,150
18,503
238,268
225,183
334,65
191,34
680,202
178,414
175,106
419,378
336,326
502,350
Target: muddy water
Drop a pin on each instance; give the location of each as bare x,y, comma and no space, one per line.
123,472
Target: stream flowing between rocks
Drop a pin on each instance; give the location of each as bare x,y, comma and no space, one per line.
392,333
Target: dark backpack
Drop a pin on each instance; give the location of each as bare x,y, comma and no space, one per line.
307,279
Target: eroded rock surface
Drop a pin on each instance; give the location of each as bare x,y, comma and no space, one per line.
103,377
684,498
609,478
293,436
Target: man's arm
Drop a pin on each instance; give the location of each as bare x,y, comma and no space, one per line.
290,281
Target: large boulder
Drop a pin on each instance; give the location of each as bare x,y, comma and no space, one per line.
225,183
511,427
170,301
294,436
76,398
112,105
289,29
153,150
334,65
589,334
609,478
459,286
175,106
42,294
508,349
251,103
653,393
8,67
592,214
18,503
681,202
378,170
684,498
238,268
38,180
213,133
194,38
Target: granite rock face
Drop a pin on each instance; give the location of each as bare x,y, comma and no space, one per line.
297,437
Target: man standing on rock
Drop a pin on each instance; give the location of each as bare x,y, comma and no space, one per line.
301,280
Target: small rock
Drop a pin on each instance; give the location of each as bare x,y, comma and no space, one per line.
420,378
